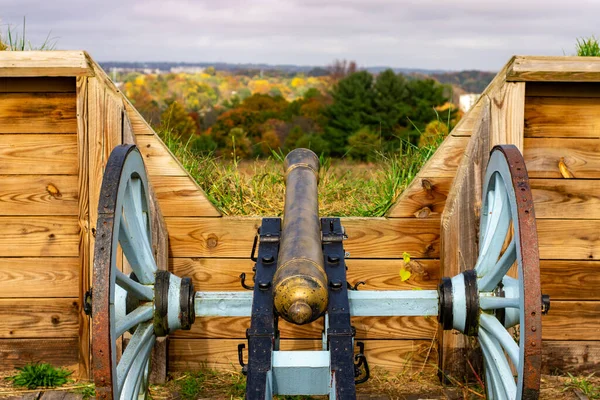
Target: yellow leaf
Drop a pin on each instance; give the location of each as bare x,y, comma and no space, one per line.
404,274
406,257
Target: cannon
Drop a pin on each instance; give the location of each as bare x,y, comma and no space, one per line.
300,275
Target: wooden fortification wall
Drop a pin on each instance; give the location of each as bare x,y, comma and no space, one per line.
60,116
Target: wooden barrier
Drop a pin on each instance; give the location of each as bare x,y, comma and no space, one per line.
60,116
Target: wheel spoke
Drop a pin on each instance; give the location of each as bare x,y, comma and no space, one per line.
495,389
138,369
134,288
134,243
493,302
137,316
497,227
143,335
499,362
491,279
497,330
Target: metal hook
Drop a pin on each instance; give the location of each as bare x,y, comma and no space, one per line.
361,361
355,287
241,348
243,282
253,253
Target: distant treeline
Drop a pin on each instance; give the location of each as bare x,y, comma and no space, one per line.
347,113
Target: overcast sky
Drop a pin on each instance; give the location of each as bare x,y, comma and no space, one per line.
432,34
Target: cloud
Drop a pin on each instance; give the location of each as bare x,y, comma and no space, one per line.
460,34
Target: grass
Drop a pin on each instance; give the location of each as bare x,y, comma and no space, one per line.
32,376
14,40
588,47
346,188
584,384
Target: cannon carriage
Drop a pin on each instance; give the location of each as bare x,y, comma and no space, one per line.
300,276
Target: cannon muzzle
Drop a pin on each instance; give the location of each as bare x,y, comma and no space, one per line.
300,282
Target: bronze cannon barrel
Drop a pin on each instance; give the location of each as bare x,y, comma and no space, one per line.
300,282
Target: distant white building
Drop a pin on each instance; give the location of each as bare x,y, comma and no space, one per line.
187,70
467,101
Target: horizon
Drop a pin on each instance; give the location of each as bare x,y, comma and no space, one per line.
467,35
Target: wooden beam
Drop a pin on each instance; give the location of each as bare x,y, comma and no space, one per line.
563,89
391,355
424,198
44,63
572,320
507,115
566,198
570,280
16,353
582,357
556,117
179,196
459,233
581,156
554,69
572,239
22,154
39,318
83,217
38,195
231,237
38,113
39,236
39,277
158,159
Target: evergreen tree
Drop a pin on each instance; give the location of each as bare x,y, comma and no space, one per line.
423,97
352,108
390,103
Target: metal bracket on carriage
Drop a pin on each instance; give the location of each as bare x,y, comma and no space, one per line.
87,303
360,360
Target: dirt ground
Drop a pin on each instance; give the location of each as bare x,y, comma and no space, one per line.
382,386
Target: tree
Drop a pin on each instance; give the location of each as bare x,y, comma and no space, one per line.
178,121
340,69
423,98
390,103
364,145
352,108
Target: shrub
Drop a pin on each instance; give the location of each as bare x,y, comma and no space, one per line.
364,145
314,142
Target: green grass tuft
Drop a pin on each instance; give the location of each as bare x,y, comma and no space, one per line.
584,384
37,375
14,40
588,47
346,188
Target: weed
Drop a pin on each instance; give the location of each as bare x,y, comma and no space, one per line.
584,384
17,41
87,391
37,375
588,47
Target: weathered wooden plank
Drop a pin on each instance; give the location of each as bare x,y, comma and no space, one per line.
507,115
38,195
223,274
39,277
566,198
444,162
37,85
19,352
581,156
44,63
179,196
38,154
367,237
39,236
85,272
38,113
392,355
555,117
468,122
572,320
570,280
366,328
138,123
569,239
425,198
459,232
39,318
570,356
563,89
159,161
554,69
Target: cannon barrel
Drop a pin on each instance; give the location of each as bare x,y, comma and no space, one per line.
300,282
